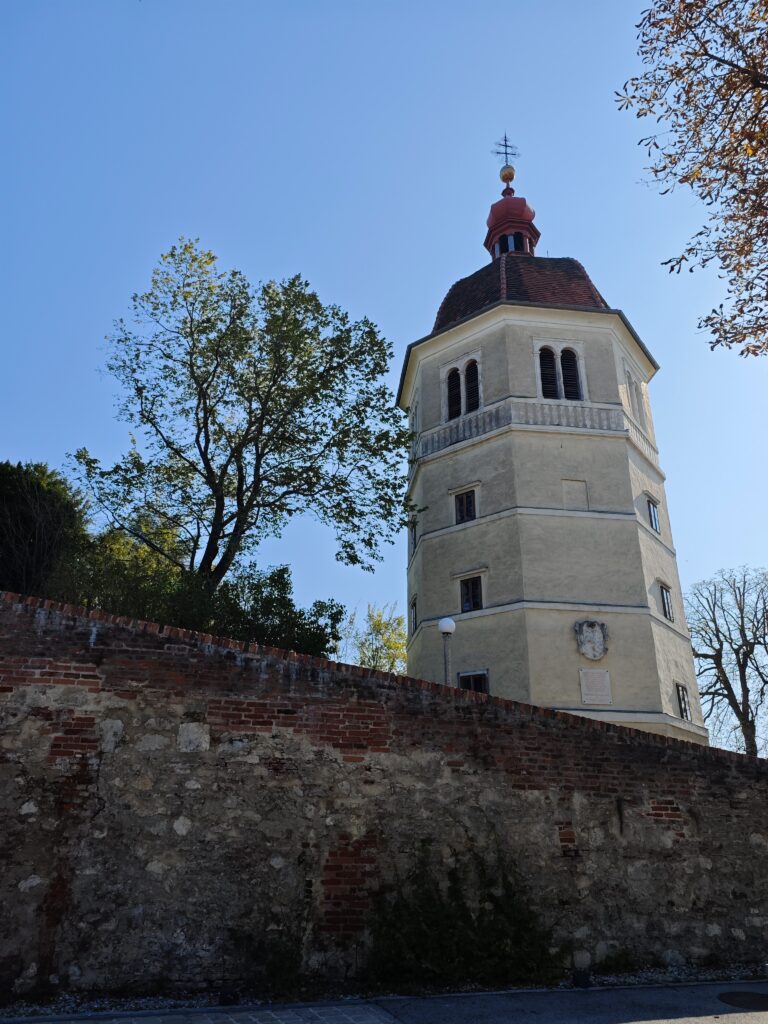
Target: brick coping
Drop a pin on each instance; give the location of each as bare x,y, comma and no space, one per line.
209,644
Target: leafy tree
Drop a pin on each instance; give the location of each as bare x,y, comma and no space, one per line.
706,86
40,518
728,619
381,641
252,405
258,606
113,571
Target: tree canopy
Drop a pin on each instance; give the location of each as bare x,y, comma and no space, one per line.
251,405
379,643
728,619
113,571
705,84
41,517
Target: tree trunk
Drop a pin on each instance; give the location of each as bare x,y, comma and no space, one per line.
748,730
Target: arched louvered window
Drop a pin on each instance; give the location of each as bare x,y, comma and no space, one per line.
569,364
631,394
519,242
454,394
472,386
640,404
548,373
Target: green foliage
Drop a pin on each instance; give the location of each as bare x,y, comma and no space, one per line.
380,643
41,518
469,923
113,571
258,606
252,405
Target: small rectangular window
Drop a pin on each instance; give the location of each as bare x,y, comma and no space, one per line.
465,506
683,702
414,617
476,681
666,602
471,594
412,528
653,515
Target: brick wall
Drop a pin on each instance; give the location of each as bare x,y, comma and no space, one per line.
173,802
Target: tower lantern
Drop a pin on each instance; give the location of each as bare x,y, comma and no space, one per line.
542,525
510,222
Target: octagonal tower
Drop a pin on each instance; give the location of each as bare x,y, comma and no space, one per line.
542,526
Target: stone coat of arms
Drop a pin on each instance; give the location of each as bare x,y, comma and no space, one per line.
591,638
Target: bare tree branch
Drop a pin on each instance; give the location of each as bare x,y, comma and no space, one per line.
729,632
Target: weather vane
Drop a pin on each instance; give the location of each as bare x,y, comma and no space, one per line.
507,173
505,148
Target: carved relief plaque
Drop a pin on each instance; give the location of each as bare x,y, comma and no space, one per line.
591,638
595,686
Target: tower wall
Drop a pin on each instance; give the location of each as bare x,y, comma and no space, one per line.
561,532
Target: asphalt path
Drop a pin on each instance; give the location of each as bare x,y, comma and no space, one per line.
728,1002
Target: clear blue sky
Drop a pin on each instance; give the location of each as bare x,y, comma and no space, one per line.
350,142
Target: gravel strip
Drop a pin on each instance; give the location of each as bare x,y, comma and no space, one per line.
147,1006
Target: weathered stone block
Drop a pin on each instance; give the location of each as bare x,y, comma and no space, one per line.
193,736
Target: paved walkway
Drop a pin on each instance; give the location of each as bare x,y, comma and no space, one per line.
723,1002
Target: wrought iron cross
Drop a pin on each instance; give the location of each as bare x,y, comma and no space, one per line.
505,148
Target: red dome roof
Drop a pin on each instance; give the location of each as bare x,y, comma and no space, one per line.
538,280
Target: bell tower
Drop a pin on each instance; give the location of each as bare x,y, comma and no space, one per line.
541,527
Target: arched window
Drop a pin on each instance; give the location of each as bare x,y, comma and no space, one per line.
569,365
635,400
472,386
640,404
519,242
454,394
548,373
631,394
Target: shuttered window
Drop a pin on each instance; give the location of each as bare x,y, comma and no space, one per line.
471,594
569,364
653,515
454,394
683,702
465,506
548,373
472,386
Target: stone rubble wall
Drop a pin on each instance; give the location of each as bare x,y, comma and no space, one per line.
175,804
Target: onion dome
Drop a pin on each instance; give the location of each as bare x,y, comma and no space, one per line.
532,280
510,222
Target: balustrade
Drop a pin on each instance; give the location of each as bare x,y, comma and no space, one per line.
533,412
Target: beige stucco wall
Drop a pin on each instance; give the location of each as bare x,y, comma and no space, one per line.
555,660
493,643
562,529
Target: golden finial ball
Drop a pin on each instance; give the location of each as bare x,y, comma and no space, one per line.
507,174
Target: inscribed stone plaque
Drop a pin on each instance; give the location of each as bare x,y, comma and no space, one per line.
595,686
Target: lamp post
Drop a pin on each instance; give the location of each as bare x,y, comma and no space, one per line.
447,627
